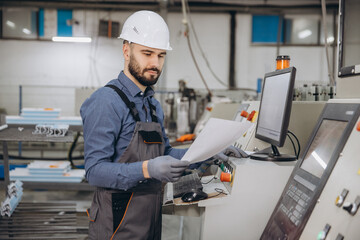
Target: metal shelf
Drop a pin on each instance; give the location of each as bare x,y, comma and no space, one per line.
13,134
74,128
83,186
45,220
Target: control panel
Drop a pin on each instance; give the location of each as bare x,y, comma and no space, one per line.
311,174
336,214
226,174
247,112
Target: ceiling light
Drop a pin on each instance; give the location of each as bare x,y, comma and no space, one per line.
10,24
330,39
26,31
72,39
304,34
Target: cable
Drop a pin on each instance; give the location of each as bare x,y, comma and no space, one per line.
220,191
200,48
297,140
186,33
196,64
70,158
72,147
330,74
208,181
209,165
292,142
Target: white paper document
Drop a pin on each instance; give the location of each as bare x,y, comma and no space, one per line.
217,135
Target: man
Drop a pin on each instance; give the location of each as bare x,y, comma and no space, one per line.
127,153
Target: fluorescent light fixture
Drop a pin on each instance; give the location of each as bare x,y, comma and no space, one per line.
10,24
304,34
72,39
330,39
319,160
26,31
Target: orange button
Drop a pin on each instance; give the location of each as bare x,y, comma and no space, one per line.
250,117
358,126
225,177
244,113
186,137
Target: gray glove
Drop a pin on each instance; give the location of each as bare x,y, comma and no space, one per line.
232,152
166,168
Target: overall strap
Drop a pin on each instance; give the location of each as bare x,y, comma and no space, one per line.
153,112
131,105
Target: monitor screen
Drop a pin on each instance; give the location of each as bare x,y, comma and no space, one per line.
323,146
275,106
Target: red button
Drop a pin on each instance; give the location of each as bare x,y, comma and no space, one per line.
250,117
244,113
358,126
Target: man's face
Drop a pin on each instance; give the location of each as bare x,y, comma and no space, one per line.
146,63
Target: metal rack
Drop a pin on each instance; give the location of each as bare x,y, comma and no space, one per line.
13,134
45,220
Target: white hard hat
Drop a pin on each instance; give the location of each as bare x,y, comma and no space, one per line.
146,28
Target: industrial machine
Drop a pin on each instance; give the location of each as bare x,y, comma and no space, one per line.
335,214
312,172
255,185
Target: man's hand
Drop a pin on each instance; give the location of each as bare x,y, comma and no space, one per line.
230,151
223,156
166,168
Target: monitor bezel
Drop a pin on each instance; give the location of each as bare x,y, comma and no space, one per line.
288,106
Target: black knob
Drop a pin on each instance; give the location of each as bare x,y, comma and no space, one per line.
348,208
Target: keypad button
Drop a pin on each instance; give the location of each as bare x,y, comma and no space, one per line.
301,203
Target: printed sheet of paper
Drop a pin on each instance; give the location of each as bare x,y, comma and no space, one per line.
217,135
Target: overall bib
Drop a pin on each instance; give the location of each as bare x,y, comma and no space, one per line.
135,213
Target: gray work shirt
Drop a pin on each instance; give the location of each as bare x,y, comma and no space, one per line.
108,127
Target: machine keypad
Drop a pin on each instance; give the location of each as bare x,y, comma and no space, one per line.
296,195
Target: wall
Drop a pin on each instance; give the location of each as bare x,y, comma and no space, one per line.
50,72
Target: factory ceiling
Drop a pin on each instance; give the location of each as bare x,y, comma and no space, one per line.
171,5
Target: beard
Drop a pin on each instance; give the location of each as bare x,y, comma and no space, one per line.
139,73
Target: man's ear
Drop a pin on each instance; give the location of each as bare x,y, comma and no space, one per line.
126,51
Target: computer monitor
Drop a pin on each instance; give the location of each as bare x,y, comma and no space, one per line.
274,114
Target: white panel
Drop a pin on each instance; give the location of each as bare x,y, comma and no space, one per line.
244,214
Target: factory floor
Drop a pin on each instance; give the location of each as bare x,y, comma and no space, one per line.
173,227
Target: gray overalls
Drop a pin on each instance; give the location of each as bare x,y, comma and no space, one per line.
135,213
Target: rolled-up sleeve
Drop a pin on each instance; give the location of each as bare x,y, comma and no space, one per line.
102,122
